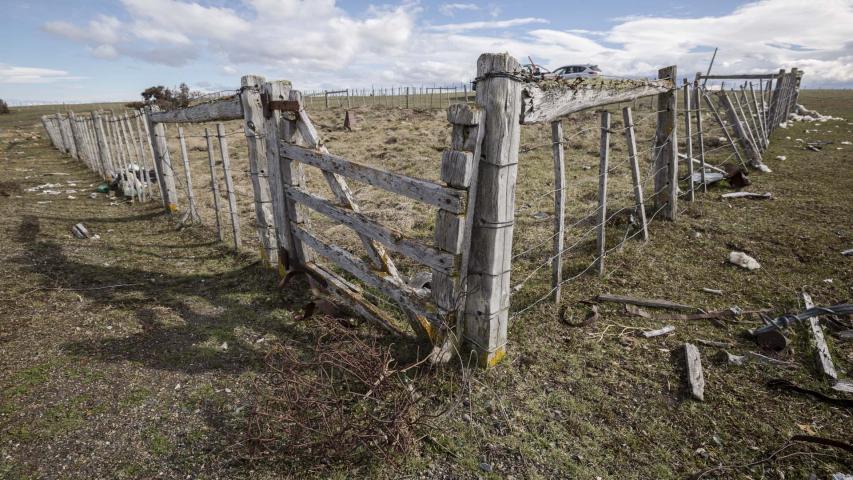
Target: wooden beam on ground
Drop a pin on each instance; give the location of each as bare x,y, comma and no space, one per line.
824,359
695,376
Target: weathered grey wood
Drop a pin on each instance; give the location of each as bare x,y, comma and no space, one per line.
391,238
103,152
115,163
64,147
422,190
549,100
660,331
558,156
229,184
275,127
740,130
633,161
456,168
132,155
752,76
644,302
221,110
140,143
759,119
214,185
776,99
78,151
603,158
724,128
666,150
792,93
255,129
340,189
146,124
192,212
120,151
462,114
162,162
688,141
822,355
448,231
488,272
700,134
401,293
351,296
746,113
695,376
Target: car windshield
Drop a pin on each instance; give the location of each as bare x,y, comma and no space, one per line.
595,68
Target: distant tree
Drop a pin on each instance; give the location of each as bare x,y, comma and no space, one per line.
4,108
168,99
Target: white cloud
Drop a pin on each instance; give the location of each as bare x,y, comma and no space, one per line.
450,9
26,75
493,24
314,42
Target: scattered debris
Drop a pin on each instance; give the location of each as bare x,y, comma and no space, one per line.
735,360
781,157
591,318
787,385
744,261
845,335
786,321
824,359
712,290
644,302
636,311
349,122
714,343
847,252
661,331
748,195
80,231
772,339
695,377
803,114
843,386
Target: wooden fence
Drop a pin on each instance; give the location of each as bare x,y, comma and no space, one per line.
466,299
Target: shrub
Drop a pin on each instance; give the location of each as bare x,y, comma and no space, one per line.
4,107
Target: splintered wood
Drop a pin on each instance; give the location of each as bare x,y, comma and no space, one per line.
695,377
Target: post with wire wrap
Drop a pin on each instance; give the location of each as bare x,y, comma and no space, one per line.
488,275
666,150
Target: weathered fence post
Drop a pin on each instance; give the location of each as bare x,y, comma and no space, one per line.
229,184
255,128
192,212
214,184
558,154
147,140
776,99
628,120
740,130
603,157
488,275
688,140
700,135
162,163
666,149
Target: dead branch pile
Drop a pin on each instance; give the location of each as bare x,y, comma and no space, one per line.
342,399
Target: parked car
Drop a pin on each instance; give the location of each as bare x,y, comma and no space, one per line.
576,71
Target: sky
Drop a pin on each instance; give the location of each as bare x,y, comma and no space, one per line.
96,50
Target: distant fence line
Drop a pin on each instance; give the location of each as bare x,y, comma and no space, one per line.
465,300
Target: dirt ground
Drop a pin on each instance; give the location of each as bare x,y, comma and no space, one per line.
136,355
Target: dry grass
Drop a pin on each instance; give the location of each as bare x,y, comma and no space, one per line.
155,378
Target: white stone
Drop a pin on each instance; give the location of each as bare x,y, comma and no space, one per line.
744,261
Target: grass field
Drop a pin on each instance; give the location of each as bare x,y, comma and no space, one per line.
139,355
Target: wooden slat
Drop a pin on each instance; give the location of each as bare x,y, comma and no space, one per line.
630,138
389,237
422,190
397,291
603,156
549,100
666,151
219,111
824,359
735,76
558,155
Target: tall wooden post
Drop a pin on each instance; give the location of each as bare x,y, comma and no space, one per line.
666,150
558,154
776,100
214,184
148,140
688,140
255,128
63,135
700,135
229,184
192,213
603,157
488,275
628,120
163,163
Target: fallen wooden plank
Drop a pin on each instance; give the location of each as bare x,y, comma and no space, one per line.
760,196
843,386
847,252
391,238
712,290
644,302
661,331
735,76
714,343
824,359
447,198
695,377
549,100
227,109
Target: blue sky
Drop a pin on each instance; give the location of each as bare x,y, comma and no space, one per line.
112,50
